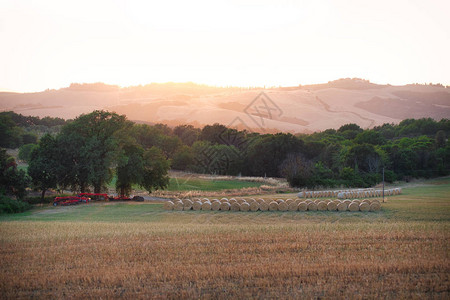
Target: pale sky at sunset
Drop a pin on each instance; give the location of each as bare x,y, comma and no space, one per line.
49,44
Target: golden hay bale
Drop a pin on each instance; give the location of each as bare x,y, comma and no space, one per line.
197,205
240,200
205,199
225,206
224,199
254,206
322,206
317,201
251,200
354,206
245,206
263,206
279,201
187,204
375,206
168,205
297,201
331,206
364,206
282,206
342,206
337,202
216,205
312,206
366,201
376,201
293,206
215,200
206,206
260,200
347,202
357,201
302,206
178,205
308,201
232,200
273,206
235,206
289,201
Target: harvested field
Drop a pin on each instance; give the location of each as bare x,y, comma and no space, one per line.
131,251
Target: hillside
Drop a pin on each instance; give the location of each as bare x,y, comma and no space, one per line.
294,109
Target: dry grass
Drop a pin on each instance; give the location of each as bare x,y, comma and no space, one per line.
137,251
166,260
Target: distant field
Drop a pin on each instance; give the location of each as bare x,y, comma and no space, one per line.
135,250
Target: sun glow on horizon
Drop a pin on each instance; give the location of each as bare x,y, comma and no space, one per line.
235,43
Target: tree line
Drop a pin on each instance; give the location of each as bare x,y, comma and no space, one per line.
87,153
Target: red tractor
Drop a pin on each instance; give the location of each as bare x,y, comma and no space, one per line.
70,200
95,196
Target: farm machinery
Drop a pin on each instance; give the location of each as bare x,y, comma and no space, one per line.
87,197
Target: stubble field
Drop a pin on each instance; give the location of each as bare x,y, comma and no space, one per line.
141,251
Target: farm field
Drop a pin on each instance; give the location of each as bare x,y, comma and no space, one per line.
139,250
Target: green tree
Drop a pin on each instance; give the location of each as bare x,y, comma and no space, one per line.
25,152
43,165
12,180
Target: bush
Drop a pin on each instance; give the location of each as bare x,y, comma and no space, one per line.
11,206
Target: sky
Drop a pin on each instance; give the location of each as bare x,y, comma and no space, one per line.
49,44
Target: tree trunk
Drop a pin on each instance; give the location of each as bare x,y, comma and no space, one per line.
43,194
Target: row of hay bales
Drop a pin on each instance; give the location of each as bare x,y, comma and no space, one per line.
350,194
252,204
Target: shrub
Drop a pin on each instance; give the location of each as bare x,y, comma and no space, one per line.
11,206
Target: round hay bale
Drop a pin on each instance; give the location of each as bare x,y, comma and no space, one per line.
240,200
312,206
168,205
342,206
260,200
273,206
302,206
216,205
232,200
205,199
254,206
214,200
347,202
250,200
187,204
375,206
364,206
235,206
317,201
301,195
366,201
206,206
354,206
337,202
283,206
289,201
224,199
245,206
197,205
331,206
322,205
279,201
263,206
178,206
357,201
225,206
376,201
293,206
308,201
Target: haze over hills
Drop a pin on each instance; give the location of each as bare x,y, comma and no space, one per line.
300,109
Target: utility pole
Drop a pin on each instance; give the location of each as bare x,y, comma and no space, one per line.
383,184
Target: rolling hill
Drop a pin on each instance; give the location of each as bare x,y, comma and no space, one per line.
300,109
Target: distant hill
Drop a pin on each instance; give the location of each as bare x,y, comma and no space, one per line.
304,109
